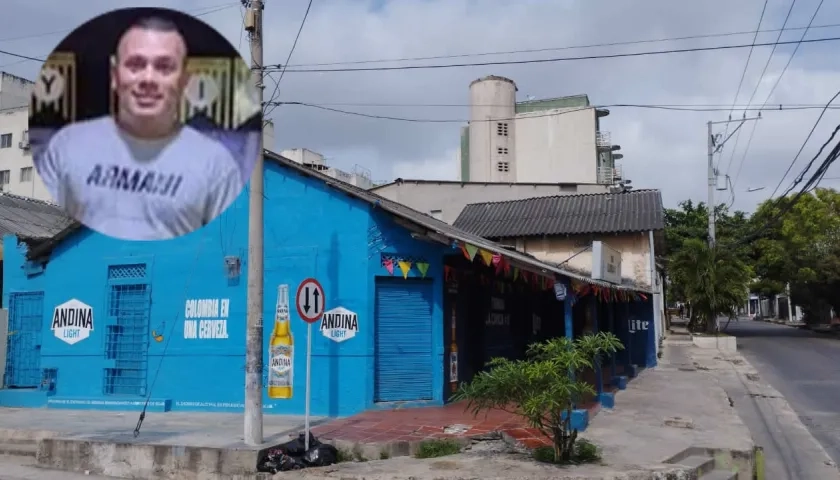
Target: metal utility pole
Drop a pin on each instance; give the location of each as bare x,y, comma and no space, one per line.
254,316
713,147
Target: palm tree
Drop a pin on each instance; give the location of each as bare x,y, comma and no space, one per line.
713,279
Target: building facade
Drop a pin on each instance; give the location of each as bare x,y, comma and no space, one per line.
359,177
556,140
98,323
445,200
17,173
561,229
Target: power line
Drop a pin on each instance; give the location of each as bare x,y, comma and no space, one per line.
551,60
778,78
328,108
288,58
24,58
699,107
741,83
212,9
555,49
799,179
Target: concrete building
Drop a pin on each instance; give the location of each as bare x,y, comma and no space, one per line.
445,200
359,177
17,174
99,323
561,229
557,140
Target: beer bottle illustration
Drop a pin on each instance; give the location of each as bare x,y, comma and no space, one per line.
281,349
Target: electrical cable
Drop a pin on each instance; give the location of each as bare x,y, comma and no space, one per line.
778,78
200,13
288,59
326,107
741,82
795,158
166,345
278,67
554,49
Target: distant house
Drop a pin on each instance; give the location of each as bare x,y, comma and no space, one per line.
561,228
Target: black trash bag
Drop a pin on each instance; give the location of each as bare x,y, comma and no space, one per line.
287,456
321,455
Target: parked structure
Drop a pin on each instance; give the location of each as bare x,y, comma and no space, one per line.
556,140
17,174
560,230
105,317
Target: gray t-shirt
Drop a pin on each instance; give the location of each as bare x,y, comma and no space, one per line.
136,189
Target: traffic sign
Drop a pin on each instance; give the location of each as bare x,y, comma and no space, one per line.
310,300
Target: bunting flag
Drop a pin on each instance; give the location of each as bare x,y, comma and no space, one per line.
499,263
486,256
469,251
496,259
515,273
389,265
447,273
422,267
405,267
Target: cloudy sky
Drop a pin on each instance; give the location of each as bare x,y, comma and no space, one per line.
662,149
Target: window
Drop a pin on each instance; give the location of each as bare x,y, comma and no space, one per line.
502,129
437,214
4,177
26,174
503,166
502,150
6,141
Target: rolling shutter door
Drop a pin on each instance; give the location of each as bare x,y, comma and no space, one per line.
403,351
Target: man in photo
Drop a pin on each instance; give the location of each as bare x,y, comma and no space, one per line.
141,174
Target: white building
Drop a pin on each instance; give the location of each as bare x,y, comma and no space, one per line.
359,177
17,175
557,140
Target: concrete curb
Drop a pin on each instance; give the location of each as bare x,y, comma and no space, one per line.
384,450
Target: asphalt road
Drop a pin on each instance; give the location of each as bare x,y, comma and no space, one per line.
804,367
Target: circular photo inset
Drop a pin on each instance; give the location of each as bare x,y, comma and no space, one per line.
145,124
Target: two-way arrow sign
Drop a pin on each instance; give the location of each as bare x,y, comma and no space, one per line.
310,300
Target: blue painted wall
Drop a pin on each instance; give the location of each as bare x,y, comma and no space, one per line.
311,230
641,329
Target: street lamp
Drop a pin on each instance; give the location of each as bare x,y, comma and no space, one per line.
754,189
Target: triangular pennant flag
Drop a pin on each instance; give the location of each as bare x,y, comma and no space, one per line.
470,251
405,267
423,267
515,273
496,259
486,256
499,262
389,265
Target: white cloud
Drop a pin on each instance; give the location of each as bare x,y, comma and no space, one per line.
662,149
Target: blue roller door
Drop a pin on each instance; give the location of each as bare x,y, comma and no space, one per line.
403,351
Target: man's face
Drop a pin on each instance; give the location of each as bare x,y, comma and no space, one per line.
149,75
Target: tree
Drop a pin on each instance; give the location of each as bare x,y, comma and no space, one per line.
714,280
543,388
691,221
800,246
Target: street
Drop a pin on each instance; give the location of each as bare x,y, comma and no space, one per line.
803,367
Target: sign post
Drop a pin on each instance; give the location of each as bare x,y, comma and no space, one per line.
310,303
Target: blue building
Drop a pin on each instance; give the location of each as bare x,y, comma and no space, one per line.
99,323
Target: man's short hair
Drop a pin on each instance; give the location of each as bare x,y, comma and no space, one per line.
155,24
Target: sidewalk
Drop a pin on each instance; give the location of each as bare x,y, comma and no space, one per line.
672,411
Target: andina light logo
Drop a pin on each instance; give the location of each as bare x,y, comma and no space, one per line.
72,321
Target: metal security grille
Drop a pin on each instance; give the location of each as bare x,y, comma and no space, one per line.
127,332
23,360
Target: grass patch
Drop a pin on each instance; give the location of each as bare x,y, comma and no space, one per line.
384,455
437,448
344,455
585,452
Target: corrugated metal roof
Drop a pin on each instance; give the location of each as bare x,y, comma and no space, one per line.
633,211
30,219
421,220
